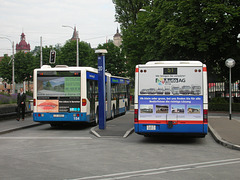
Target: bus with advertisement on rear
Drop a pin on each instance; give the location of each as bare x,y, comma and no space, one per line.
171,98
70,94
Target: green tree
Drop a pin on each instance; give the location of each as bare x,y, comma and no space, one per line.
25,63
188,30
68,53
46,54
6,69
126,11
115,61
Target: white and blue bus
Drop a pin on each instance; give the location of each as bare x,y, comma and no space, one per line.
171,98
70,94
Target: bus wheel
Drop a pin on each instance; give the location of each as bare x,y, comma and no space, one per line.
96,118
113,113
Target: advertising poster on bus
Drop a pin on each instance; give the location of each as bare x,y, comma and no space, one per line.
170,93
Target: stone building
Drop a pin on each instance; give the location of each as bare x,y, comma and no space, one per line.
117,39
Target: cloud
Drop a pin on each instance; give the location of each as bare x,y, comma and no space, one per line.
93,19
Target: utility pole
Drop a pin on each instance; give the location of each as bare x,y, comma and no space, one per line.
41,58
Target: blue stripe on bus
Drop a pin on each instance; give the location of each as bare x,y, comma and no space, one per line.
49,117
179,128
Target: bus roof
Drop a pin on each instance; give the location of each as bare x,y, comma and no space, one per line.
172,63
65,67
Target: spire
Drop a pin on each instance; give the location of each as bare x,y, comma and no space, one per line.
117,39
75,35
117,34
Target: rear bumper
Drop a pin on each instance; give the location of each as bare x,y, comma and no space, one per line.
60,117
200,129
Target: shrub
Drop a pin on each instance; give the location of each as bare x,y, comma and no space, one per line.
10,99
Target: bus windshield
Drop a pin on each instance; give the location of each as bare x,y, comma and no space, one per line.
58,83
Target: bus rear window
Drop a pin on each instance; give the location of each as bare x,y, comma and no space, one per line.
60,83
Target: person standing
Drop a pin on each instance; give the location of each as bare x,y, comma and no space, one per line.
21,98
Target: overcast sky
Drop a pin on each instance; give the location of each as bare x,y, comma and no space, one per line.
94,19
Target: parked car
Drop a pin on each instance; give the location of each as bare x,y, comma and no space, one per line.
167,90
196,90
160,91
175,90
185,90
143,91
152,91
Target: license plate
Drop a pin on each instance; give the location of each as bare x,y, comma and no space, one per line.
151,127
58,115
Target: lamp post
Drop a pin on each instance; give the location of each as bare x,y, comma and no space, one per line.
13,77
77,56
230,63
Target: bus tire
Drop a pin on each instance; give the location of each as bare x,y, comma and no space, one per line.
96,118
125,109
113,112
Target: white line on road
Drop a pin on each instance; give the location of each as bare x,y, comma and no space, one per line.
45,138
148,172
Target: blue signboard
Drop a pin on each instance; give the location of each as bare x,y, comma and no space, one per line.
92,76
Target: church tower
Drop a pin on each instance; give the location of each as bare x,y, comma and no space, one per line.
117,39
23,46
75,35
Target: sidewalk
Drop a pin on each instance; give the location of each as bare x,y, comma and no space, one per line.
226,132
121,126
10,125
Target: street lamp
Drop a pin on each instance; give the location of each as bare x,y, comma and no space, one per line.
13,78
77,56
143,10
230,63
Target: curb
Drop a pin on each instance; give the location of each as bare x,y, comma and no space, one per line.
221,141
19,128
127,133
92,130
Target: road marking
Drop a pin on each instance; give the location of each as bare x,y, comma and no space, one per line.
128,132
45,138
149,172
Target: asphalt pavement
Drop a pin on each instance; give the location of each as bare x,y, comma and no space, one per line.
224,131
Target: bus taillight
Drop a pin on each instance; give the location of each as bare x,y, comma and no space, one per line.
84,102
205,116
135,115
34,102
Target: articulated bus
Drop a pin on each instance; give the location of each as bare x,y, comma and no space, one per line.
70,94
171,98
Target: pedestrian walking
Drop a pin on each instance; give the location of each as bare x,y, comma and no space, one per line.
21,98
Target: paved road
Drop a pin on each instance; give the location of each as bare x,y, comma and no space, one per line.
43,152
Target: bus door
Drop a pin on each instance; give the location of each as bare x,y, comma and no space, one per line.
117,102
91,98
